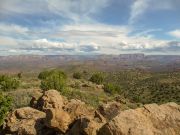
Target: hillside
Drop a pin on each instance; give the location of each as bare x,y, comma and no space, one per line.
93,93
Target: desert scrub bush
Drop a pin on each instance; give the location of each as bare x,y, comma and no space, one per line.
43,75
8,83
54,79
97,78
112,88
19,75
5,106
77,75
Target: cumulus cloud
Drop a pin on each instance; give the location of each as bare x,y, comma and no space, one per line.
88,38
175,33
43,46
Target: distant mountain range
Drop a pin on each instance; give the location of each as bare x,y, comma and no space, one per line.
102,62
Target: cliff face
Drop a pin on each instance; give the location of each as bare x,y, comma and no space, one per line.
53,114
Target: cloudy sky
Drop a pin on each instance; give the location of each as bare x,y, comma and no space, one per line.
89,26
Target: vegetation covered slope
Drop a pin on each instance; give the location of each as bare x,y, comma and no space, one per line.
147,87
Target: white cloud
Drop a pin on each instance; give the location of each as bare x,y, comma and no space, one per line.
137,9
99,38
9,7
140,7
76,10
12,30
104,45
44,43
94,27
107,36
175,33
6,42
146,33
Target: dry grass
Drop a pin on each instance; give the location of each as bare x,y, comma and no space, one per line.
22,97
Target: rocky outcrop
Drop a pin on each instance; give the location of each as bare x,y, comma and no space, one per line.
25,121
149,120
61,114
50,99
53,114
57,119
52,103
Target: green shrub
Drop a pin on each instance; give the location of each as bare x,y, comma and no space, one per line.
44,74
54,79
8,83
112,88
97,78
77,75
5,105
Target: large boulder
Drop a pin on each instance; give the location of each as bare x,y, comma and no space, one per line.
58,120
149,120
25,121
52,103
50,99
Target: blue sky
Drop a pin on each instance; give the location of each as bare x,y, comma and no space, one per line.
89,27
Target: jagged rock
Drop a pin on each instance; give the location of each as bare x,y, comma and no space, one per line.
25,121
149,120
78,127
50,99
86,120
57,119
95,124
109,110
60,113
87,125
